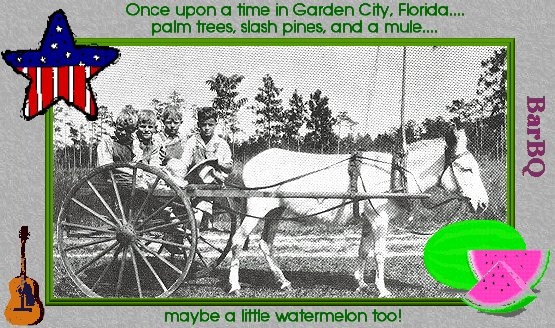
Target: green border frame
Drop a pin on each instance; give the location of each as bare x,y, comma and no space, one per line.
49,168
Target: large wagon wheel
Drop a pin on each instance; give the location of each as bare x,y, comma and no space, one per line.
214,243
115,230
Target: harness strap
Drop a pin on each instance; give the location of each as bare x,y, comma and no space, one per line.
292,218
404,171
449,163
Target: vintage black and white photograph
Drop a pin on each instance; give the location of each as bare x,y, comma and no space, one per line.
276,171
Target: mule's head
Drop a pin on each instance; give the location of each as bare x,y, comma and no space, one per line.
461,172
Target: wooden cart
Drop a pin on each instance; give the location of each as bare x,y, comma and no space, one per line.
128,230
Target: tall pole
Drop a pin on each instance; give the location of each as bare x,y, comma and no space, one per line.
403,137
398,165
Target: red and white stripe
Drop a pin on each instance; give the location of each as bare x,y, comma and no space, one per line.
50,83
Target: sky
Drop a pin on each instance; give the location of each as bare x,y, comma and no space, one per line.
364,81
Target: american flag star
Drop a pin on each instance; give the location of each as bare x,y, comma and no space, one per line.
59,69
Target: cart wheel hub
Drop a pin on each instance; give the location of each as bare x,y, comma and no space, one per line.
126,234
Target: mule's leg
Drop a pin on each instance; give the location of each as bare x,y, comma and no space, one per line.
266,246
379,227
257,208
366,244
236,247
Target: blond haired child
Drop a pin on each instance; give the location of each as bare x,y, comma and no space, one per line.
147,149
172,143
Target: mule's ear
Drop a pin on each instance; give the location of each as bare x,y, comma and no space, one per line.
456,123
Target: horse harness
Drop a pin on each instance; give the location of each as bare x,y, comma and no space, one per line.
355,162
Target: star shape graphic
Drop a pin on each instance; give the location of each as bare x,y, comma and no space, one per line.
60,70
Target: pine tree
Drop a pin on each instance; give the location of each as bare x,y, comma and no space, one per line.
271,113
294,118
320,123
492,84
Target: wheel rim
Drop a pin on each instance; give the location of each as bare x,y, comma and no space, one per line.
115,230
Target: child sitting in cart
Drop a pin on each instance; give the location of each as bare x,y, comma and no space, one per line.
123,147
206,147
172,142
147,150
119,147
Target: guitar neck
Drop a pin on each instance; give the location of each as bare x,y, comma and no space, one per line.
23,263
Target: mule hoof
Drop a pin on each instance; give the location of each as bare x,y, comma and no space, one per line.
385,294
286,286
235,290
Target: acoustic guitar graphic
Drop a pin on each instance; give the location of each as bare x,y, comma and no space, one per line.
24,307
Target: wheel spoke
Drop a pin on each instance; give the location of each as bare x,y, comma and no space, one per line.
121,269
164,242
99,216
103,201
118,196
202,259
150,191
108,266
94,242
137,278
199,255
96,258
210,244
157,211
84,227
162,226
151,268
133,185
161,259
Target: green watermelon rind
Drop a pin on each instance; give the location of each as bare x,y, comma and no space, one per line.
451,267
539,277
505,309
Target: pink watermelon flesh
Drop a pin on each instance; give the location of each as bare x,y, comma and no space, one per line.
499,290
529,265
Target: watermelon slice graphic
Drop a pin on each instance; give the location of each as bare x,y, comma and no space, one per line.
446,252
529,265
499,290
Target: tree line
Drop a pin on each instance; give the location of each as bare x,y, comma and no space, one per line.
308,124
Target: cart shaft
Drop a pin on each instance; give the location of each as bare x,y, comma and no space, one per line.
199,191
